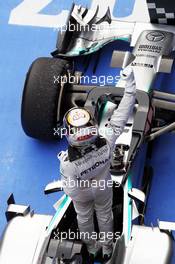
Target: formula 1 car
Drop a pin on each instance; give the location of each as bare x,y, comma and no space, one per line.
43,106
47,96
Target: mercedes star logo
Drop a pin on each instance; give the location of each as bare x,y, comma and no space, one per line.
155,36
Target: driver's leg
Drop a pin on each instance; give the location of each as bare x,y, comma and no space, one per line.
103,208
85,212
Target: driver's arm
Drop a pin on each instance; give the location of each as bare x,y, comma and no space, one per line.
120,116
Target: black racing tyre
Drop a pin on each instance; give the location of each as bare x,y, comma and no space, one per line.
40,97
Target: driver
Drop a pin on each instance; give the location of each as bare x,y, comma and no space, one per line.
87,162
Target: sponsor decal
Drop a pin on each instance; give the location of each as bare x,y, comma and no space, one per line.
97,154
150,48
78,117
147,65
95,166
85,137
155,36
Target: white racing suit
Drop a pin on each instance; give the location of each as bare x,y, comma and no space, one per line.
95,193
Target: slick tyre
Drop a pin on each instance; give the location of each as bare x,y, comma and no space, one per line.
41,100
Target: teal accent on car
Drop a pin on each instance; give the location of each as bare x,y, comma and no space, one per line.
57,212
129,207
77,52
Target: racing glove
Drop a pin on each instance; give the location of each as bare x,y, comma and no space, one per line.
120,116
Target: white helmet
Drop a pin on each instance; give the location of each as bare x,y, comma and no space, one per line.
81,128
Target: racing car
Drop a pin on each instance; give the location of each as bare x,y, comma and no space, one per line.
43,106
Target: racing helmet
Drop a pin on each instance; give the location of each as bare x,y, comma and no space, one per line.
81,127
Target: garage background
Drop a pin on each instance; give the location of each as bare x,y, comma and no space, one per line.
28,30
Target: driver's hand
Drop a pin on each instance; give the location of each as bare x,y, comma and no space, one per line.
127,75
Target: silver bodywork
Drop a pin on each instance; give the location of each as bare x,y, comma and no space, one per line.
26,238
21,237
92,30
148,245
